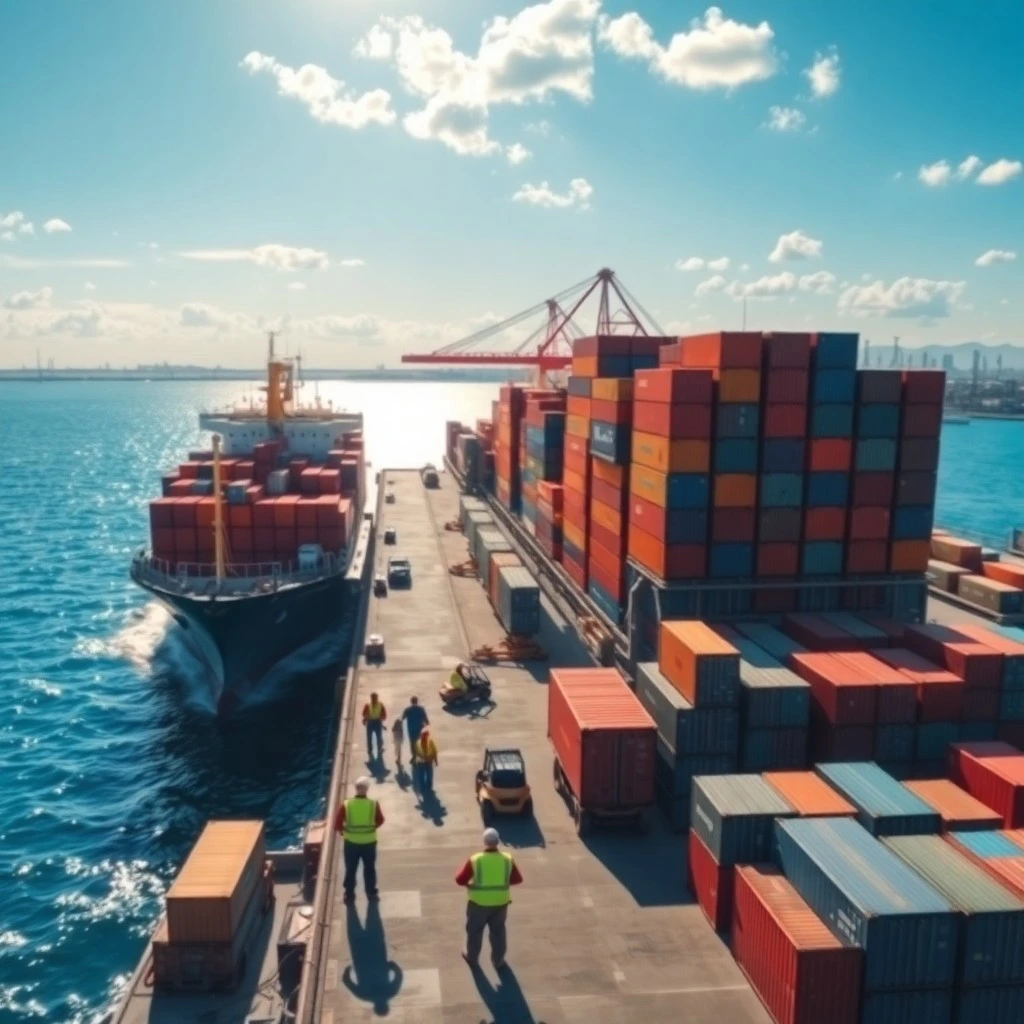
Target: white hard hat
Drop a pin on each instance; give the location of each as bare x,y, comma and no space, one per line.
491,837
362,784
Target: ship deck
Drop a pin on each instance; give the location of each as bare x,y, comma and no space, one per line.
602,929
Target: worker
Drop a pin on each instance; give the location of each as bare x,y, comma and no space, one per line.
357,821
456,681
425,751
396,738
415,718
374,716
487,877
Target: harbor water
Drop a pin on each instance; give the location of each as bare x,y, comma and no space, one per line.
110,755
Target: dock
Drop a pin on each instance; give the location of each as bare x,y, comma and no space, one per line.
603,928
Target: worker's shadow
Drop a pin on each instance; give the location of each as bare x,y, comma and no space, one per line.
471,709
505,1001
402,778
432,808
376,767
371,977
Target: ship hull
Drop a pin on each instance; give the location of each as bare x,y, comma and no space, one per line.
242,638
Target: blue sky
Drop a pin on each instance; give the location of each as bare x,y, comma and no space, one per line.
378,177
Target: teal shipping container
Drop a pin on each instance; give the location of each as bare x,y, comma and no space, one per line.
518,601
885,807
733,816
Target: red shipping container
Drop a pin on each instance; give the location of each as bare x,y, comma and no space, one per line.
612,582
979,704
241,540
309,481
818,634
331,511
285,511
784,421
866,556
973,662
306,511
733,524
180,489
824,524
576,572
676,422
673,386
605,538
939,693
924,387
838,690
331,539
206,509
645,515
832,455
786,387
330,481
992,773
578,405
603,738
778,560
185,546
253,494
830,742
189,470
576,462
611,412
785,349
575,502
610,560
608,494
897,695
873,489
184,511
669,562
869,524
163,542
161,512
710,883
263,539
722,350
800,970
922,420
239,516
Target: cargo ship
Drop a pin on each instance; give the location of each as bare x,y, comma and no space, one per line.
251,540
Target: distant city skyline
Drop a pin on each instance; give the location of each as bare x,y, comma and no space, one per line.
180,178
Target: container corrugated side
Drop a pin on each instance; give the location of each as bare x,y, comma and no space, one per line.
1002,1005
885,807
798,968
734,815
869,898
809,795
994,774
518,601
997,853
927,1006
960,812
770,639
686,730
992,930
710,883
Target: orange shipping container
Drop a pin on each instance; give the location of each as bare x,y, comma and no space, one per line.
206,901
909,556
739,386
584,366
682,647
573,533
575,481
669,561
611,412
649,484
608,472
809,795
1004,572
609,518
732,349
579,426
610,561
671,456
960,812
735,490
612,389
574,460
577,405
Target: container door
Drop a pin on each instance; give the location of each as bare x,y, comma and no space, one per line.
598,787
635,754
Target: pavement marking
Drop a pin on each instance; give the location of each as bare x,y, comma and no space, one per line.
693,990
331,975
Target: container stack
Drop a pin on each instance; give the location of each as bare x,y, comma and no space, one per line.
993,773
885,807
550,513
917,469
576,479
469,458
958,567
669,478
999,854
507,484
543,436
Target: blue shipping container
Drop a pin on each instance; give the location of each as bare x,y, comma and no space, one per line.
1002,1005
610,441
518,601
675,772
894,743
986,845
579,386
885,807
687,490
782,490
934,738
822,558
769,639
605,601
913,522
977,732
833,387
875,454
869,898
734,816
686,730
831,421
737,419
731,560
783,455
615,366
927,1006
827,490
837,350
878,421
1011,706
779,750
735,455
686,526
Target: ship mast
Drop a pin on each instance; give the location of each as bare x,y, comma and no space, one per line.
218,512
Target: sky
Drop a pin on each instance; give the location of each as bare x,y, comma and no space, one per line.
373,177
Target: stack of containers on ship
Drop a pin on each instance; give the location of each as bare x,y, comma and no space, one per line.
507,482
541,457
273,505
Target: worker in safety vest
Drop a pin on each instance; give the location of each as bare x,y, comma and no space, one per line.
358,820
374,715
424,760
488,877
456,681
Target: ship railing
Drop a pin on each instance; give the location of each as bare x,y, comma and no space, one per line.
239,578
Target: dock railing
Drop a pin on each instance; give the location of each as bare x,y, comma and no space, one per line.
200,578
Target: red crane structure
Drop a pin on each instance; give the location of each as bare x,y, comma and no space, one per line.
549,346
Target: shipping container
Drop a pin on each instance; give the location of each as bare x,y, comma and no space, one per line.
710,883
603,739
831,420
518,603
676,422
896,697
960,812
684,729
734,815
673,385
878,421
610,441
781,490
994,774
839,692
802,973
810,795
738,419
885,807
992,594
763,750
974,662
1011,649
702,666
871,899
731,561
770,639
827,490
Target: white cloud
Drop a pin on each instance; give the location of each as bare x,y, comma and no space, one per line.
538,127
987,259
907,297
795,246
692,263
325,97
13,225
716,52
744,267
722,263
296,286
278,257
542,50
1000,172
823,74
353,262
936,174
579,194
710,286
375,45
89,286
29,300
966,168
785,119
767,287
19,263
820,283
517,153
55,226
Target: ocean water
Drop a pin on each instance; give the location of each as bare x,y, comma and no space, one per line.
110,759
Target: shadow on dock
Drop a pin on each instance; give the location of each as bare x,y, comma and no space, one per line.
652,868
371,977
505,1001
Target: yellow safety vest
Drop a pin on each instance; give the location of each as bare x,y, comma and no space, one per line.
456,682
492,874
425,752
375,711
360,820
